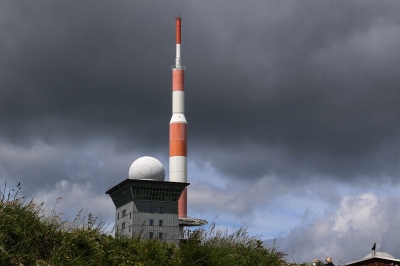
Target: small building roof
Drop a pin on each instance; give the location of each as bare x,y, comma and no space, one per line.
379,255
188,221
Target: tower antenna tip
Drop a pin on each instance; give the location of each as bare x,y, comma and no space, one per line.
178,16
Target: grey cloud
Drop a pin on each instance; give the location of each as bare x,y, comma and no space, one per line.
363,219
43,166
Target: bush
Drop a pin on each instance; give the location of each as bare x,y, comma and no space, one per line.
26,233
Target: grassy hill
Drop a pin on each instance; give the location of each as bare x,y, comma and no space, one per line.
30,234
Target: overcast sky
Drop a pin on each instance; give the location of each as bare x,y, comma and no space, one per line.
293,112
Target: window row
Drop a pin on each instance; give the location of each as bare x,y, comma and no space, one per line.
160,222
160,235
123,227
160,209
124,214
151,223
163,194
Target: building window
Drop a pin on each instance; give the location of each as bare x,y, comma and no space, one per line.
130,215
123,225
151,235
129,228
116,228
123,213
118,215
160,223
160,235
158,194
151,209
151,222
161,210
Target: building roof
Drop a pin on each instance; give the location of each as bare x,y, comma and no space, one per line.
144,190
378,255
146,182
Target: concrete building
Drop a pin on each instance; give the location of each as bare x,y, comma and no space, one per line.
148,209
147,206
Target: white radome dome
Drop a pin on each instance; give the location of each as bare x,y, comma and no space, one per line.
147,168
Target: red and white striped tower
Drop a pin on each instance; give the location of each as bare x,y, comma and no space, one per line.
178,125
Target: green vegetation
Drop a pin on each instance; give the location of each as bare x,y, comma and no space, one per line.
32,235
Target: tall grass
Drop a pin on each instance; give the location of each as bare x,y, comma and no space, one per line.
32,235
218,247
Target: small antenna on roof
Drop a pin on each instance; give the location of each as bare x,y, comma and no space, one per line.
373,250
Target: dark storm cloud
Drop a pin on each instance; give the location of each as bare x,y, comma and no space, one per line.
293,88
81,71
322,91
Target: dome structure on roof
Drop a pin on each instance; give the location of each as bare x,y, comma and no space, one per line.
147,168
380,254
